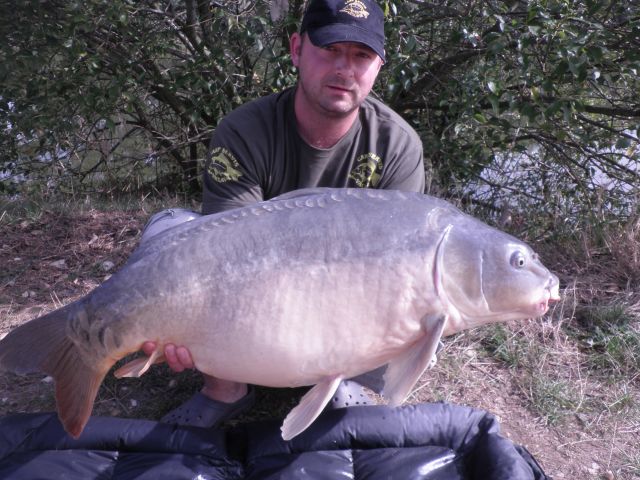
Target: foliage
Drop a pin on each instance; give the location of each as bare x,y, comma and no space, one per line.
125,89
531,105
520,105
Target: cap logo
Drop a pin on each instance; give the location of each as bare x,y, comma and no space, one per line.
355,8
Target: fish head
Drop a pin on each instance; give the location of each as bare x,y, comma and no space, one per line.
489,276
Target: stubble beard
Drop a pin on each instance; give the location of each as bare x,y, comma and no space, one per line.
338,109
330,107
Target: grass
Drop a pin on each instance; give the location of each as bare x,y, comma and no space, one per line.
507,346
30,207
573,370
585,360
632,461
611,338
553,399
550,393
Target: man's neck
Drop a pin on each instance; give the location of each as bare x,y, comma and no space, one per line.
321,131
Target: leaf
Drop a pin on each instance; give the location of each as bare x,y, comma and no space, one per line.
411,43
534,30
623,143
554,108
595,53
480,118
495,104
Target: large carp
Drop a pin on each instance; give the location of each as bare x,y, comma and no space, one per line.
309,288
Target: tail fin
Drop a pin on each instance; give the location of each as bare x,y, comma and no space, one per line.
42,345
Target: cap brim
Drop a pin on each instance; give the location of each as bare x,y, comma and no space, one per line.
323,36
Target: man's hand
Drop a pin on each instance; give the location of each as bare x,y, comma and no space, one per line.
178,358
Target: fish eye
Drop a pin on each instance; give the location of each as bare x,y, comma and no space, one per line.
518,260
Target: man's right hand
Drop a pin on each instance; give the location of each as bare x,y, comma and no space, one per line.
178,358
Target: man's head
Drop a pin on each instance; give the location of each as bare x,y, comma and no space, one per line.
338,53
333,21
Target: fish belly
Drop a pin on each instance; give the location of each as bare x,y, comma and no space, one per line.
298,326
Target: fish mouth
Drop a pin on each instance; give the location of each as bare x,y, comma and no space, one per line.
550,295
543,307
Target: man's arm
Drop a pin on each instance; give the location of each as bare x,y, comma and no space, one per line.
229,178
399,145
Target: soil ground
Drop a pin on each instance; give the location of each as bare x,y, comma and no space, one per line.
54,258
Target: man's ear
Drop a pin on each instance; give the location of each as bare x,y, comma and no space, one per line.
295,45
380,65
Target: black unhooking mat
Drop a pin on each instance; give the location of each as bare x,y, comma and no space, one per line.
428,441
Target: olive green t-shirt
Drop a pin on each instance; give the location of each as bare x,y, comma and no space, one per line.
256,154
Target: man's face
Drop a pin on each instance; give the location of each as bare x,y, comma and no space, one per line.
334,80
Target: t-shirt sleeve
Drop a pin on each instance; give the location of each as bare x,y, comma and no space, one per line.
397,146
405,170
230,176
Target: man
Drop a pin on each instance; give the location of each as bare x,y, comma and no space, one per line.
325,132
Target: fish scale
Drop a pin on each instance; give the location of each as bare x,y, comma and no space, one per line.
309,288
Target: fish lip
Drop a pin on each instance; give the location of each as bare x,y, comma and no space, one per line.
554,289
544,307
550,295
541,307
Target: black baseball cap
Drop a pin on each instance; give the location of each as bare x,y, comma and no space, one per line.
332,21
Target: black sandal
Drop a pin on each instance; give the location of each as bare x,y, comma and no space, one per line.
202,411
350,394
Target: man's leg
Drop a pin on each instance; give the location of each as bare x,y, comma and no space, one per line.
218,401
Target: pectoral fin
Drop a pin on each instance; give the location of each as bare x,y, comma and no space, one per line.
310,406
404,371
139,366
